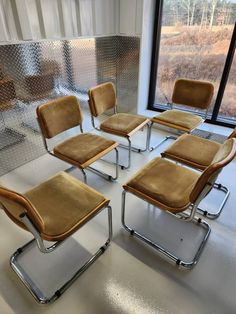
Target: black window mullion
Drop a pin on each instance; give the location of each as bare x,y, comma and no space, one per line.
155,52
225,75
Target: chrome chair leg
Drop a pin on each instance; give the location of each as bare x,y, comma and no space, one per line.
37,293
137,149
105,175
169,137
129,155
211,215
160,248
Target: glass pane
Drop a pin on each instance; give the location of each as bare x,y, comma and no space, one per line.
195,37
228,104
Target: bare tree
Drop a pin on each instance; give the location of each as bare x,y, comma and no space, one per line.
193,11
186,4
213,8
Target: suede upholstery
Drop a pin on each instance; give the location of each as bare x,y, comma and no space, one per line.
80,150
62,204
177,119
16,204
101,98
192,150
164,184
59,115
123,124
224,155
172,187
193,93
233,134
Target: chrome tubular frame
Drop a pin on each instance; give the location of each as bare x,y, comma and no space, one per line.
210,215
169,137
219,187
27,281
105,175
94,170
129,147
166,138
160,248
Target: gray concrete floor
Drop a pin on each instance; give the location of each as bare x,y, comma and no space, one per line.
129,277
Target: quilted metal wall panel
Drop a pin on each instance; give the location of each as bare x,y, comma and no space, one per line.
32,73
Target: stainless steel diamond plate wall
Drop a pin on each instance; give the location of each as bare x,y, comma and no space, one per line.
127,72
35,72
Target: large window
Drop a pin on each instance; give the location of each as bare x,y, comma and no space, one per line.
228,105
193,38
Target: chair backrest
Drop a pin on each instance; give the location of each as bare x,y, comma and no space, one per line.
225,155
16,204
101,98
39,84
233,134
7,94
59,115
50,66
193,93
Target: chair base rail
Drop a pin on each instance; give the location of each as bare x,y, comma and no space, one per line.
172,257
215,215
37,293
169,137
129,147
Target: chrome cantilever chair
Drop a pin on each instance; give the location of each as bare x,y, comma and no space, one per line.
198,153
82,150
53,211
191,93
175,189
103,98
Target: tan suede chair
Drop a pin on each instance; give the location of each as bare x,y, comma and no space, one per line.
82,150
53,211
38,86
198,153
191,93
175,189
103,98
8,135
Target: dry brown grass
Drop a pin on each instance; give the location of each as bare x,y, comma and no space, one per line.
197,54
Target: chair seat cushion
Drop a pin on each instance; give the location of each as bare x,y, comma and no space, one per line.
178,120
65,204
164,184
123,124
83,149
193,151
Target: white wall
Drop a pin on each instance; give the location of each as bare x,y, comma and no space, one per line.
54,19
145,56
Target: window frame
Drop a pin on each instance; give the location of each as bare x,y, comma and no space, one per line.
214,119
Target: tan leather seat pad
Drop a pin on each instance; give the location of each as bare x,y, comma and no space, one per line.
192,150
65,204
164,184
81,149
178,119
123,124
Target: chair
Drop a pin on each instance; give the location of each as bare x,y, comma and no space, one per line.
82,150
52,66
37,87
53,211
8,136
198,153
103,98
191,93
175,189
